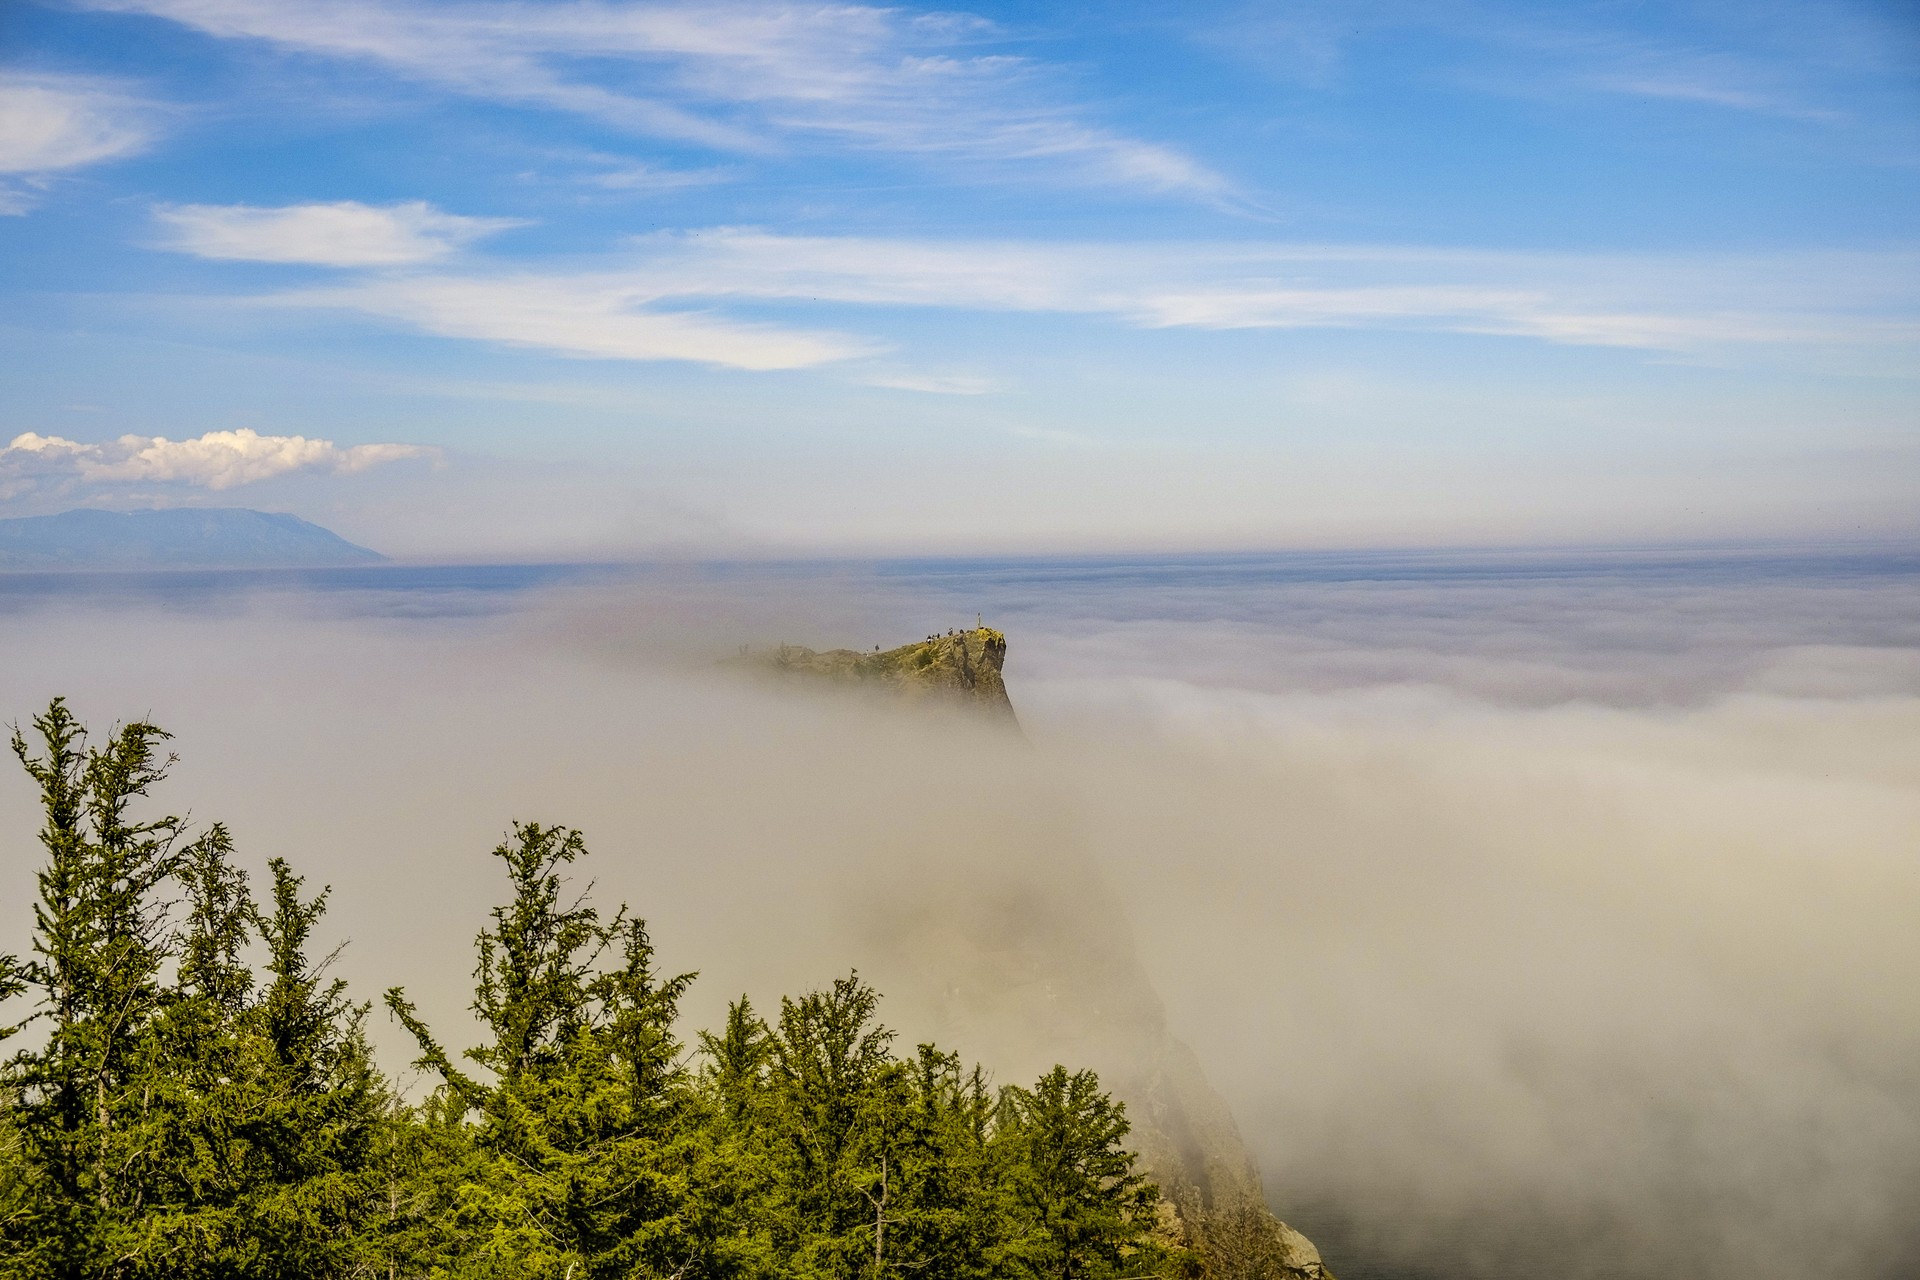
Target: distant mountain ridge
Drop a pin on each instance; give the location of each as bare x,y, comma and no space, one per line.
173,538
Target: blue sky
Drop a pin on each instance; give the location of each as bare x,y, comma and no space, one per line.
552,278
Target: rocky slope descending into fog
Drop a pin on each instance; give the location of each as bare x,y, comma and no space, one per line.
1032,964
959,668
1024,967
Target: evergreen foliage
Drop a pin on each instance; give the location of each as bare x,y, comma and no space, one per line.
190,1095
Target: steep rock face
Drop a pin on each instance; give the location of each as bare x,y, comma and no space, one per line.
960,668
1030,966
1251,1244
1027,972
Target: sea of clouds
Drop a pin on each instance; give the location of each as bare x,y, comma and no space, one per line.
1536,916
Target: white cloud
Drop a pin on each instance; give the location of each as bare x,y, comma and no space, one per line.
637,306
345,233
217,460
648,178
49,124
1667,304
1827,62
933,384
599,316
739,77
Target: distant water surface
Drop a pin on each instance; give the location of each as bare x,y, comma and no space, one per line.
1613,626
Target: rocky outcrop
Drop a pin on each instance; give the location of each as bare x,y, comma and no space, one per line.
959,668
1249,1243
1037,965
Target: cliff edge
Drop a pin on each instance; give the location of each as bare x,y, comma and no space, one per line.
959,668
1040,977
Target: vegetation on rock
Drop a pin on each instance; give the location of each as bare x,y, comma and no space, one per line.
959,668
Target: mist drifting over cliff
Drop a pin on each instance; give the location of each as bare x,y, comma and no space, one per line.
1535,916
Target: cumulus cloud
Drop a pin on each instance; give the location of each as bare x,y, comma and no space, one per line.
49,124
34,463
741,78
344,233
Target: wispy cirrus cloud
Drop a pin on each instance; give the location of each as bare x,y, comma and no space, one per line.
37,464
1639,68
595,316
929,383
652,179
344,233
1830,62
739,77
1673,303
50,124
634,307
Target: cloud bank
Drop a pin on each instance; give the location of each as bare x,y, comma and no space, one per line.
1548,921
345,233
37,464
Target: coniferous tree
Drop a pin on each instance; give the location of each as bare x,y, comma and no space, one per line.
738,1060
206,1086
1090,1212
958,1199
320,1104
831,1061
739,1120
580,1163
16,1193
936,1193
83,1103
174,1125
184,1112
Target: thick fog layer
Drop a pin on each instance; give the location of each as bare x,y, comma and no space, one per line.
1535,918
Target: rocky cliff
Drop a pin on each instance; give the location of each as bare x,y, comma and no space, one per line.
959,668
1029,971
